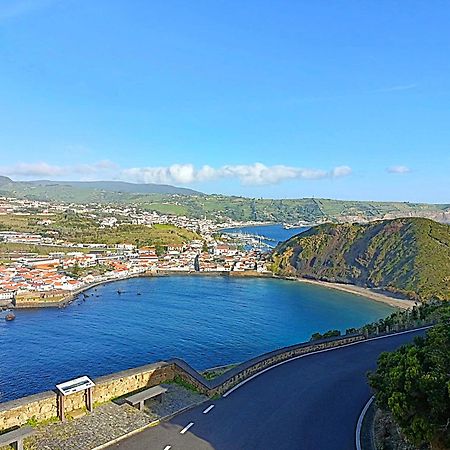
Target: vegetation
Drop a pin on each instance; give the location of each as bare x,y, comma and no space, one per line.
181,382
211,374
328,334
413,384
78,272
170,200
419,315
406,256
71,227
8,250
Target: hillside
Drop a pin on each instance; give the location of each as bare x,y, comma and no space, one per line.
180,201
69,227
408,256
86,191
5,180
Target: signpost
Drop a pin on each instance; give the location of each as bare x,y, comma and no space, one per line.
70,387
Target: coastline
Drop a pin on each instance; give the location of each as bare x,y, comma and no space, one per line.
368,293
361,291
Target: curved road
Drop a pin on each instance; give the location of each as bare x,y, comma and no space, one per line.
310,403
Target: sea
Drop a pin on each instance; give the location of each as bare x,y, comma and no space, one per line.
205,320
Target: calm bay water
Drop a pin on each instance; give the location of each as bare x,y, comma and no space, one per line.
275,233
207,321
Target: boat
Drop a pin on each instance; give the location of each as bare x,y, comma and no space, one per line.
10,316
138,293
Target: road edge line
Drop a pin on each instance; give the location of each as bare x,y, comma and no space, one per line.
360,421
320,351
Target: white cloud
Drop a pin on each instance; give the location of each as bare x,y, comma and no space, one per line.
256,174
251,174
39,169
398,169
341,171
43,169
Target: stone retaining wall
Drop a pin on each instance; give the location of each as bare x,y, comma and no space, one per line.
43,406
245,370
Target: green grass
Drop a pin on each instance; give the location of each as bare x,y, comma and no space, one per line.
237,208
80,229
6,249
178,380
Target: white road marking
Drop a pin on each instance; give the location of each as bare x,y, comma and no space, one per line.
167,447
360,421
319,351
208,409
189,425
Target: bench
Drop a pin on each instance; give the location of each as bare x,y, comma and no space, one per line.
140,397
16,437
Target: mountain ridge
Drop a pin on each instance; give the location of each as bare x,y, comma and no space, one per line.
187,202
115,186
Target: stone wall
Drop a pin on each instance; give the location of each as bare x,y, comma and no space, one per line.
245,370
43,406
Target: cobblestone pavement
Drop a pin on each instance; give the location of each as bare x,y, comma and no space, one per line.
109,421
106,422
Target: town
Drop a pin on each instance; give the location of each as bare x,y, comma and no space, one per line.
61,268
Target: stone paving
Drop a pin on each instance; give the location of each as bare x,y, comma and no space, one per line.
110,421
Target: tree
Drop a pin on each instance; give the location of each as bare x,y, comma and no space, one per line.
413,383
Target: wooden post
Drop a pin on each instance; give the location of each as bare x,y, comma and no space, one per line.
61,415
89,403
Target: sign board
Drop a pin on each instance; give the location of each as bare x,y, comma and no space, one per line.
76,385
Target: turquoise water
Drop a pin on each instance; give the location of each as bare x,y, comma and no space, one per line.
207,321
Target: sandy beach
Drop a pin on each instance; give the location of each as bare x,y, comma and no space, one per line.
364,292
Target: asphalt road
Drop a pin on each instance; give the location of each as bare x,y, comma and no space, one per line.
311,403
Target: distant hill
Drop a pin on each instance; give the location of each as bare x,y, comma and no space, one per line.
410,256
182,201
119,186
5,180
87,191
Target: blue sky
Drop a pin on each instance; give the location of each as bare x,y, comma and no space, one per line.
344,99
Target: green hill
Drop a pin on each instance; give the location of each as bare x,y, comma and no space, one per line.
70,227
181,201
165,200
409,256
5,180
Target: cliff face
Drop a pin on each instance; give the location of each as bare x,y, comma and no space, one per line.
410,256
